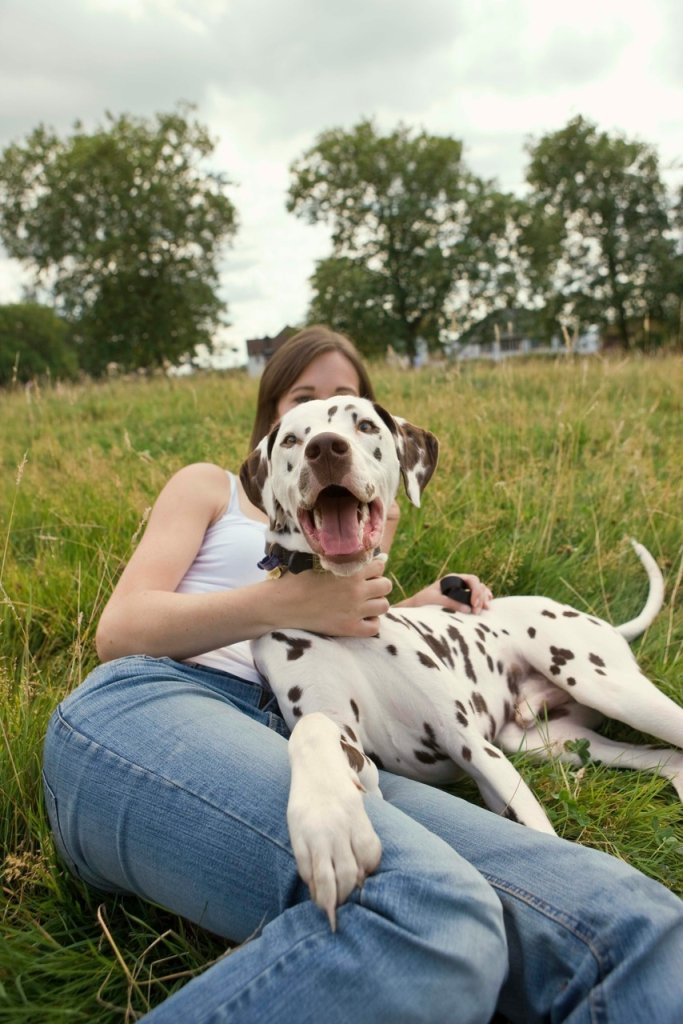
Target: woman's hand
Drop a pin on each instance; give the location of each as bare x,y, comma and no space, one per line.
481,596
336,605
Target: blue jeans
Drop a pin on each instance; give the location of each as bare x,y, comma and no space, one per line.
171,781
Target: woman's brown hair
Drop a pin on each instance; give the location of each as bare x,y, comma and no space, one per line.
289,362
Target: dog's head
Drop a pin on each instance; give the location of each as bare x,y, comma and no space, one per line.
328,472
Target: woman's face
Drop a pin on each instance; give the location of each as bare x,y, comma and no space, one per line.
328,375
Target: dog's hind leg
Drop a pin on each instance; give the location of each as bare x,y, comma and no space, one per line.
607,678
626,694
559,737
500,784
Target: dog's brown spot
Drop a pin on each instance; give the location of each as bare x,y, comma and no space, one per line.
397,618
479,703
295,645
440,647
454,633
560,657
513,676
354,756
433,751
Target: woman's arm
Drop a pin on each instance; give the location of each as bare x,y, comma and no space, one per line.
480,593
480,596
145,616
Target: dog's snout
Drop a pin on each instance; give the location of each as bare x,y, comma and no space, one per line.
327,446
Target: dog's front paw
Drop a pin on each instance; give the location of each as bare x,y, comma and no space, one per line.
335,846
333,840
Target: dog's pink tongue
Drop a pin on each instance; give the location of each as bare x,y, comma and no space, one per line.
339,534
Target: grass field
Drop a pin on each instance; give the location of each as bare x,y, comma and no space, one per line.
546,468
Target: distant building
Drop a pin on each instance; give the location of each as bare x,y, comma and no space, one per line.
259,350
516,332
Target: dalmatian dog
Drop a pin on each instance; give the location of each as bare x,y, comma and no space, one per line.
437,692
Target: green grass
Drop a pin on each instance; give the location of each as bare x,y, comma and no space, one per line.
545,469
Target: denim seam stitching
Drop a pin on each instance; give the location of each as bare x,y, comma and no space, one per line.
584,935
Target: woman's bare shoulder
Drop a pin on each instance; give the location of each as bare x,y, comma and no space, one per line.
198,484
196,472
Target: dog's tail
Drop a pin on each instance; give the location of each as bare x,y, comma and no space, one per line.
655,598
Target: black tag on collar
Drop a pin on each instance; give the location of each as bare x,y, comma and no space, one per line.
278,557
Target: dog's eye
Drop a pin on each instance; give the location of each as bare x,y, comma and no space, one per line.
288,441
366,427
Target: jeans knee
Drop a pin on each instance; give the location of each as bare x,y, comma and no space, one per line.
440,945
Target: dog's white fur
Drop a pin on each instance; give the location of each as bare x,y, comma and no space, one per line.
437,692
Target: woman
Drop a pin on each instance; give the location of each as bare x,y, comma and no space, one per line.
166,775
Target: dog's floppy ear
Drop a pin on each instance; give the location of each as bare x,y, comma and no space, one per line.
417,450
254,473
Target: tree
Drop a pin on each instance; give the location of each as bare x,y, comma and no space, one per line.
349,295
600,227
124,225
34,341
408,222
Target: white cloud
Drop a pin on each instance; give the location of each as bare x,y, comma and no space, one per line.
267,77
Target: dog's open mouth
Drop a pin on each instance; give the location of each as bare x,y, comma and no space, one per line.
340,526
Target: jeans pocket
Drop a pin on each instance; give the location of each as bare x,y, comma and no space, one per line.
53,817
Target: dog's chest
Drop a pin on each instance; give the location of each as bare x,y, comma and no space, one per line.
429,676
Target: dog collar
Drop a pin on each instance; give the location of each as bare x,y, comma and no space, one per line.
278,560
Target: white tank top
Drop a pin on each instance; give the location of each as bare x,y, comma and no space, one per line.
225,561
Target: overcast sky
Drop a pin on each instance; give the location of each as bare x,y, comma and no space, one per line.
268,76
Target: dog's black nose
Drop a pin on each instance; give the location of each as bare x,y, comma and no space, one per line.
327,446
